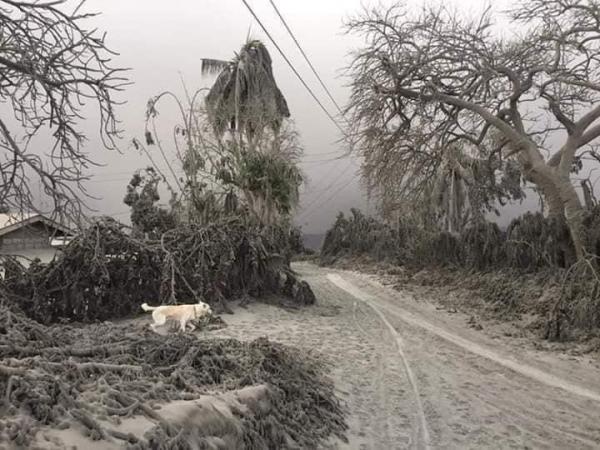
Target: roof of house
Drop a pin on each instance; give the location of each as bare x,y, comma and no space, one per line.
13,221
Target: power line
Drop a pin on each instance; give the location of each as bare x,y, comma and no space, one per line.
315,161
334,152
304,55
293,68
99,179
333,194
335,180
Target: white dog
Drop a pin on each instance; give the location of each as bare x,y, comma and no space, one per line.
181,313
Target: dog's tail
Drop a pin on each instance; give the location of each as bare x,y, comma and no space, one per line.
145,307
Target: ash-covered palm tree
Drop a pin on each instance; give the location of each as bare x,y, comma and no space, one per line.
246,102
245,97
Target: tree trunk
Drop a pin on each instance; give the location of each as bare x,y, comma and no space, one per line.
559,193
588,194
574,214
562,200
552,197
545,181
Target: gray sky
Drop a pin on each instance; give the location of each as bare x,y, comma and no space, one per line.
164,41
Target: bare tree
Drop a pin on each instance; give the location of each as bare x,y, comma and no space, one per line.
430,80
51,66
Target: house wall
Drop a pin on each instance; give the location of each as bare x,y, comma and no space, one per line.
27,243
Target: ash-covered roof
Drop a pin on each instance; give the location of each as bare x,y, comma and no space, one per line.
12,221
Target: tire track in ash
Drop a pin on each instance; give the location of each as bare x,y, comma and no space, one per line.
423,434
526,370
379,379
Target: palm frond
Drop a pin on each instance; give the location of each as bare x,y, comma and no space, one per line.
213,66
245,94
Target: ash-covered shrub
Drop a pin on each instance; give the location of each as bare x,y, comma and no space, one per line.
533,241
530,242
508,269
107,273
359,235
482,245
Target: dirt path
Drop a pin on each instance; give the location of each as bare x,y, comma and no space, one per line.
415,377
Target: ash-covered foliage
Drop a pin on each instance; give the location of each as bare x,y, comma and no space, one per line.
107,273
142,196
99,374
569,290
530,242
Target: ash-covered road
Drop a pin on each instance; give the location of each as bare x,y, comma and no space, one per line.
416,377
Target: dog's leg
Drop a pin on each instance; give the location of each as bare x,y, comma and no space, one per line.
159,318
183,323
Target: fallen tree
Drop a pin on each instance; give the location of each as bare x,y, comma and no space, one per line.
106,273
95,377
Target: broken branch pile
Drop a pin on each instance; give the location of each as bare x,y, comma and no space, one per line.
106,273
93,377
